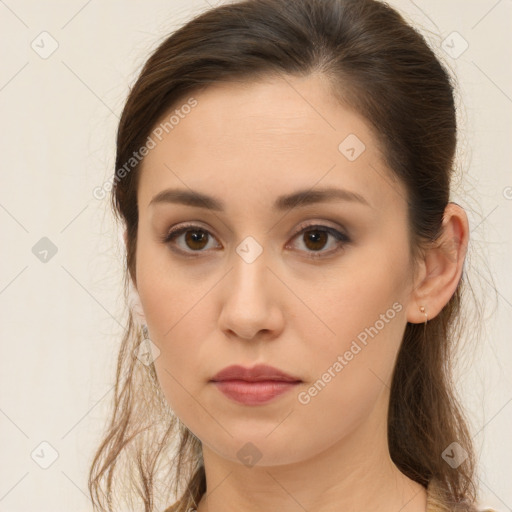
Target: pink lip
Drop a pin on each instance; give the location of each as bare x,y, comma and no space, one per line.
253,386
253,393
256,373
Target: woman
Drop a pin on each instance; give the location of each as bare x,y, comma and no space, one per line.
283,177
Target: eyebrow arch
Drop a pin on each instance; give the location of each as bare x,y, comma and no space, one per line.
284,202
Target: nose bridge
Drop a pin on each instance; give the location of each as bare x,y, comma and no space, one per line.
250,274
249,298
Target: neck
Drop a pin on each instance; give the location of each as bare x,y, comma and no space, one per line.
354,474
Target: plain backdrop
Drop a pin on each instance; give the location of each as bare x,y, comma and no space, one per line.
65,71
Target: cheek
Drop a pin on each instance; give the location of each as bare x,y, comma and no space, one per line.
180,333
176,306
166,293
353,298
352,366
175,313
360,318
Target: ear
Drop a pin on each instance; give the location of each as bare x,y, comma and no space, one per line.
441,267
134,301
135,305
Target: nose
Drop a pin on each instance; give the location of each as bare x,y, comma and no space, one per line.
250,301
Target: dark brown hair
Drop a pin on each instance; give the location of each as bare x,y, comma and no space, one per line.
383,68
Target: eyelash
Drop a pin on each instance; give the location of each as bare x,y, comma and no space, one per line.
340,237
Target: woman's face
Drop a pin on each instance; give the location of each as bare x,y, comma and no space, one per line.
248,284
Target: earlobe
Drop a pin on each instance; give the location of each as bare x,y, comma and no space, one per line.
135,305
134,302
443,264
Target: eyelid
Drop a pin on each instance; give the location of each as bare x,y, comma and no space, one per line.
308,224
174,232
339,233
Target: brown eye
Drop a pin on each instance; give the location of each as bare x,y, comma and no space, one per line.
195,239
315,239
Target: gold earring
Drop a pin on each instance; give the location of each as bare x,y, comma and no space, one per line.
423,310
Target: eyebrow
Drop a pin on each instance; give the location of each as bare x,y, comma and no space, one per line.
284,202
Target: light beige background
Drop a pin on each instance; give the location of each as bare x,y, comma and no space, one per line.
61,319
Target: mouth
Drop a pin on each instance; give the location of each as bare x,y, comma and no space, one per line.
254,386
258,373
254,392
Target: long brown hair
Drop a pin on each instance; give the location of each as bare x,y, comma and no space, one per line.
383,68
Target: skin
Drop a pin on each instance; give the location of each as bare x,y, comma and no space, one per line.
246,144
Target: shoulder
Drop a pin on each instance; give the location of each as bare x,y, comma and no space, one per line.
437,501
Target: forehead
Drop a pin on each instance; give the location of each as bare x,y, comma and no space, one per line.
267,137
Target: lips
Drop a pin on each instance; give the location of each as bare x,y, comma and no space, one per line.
258,373
254,386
